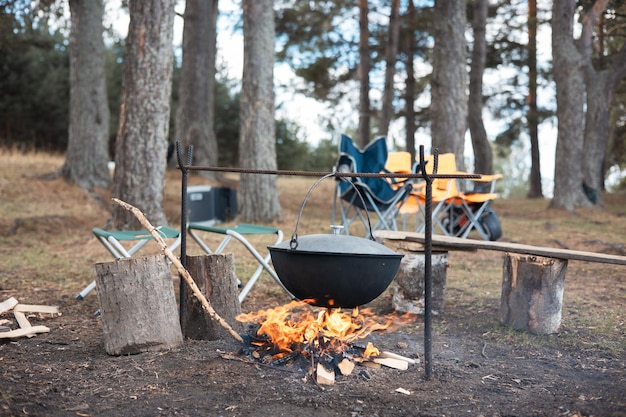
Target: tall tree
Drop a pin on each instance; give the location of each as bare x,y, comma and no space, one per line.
532,115
409,93
141,143
602,76
570,95
195,114
258,193
88,143
448,84
363,136
391,52
483,159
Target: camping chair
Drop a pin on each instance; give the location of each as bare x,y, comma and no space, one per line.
401,163
356,197
239,233
457,213
444,191
473,210
112,241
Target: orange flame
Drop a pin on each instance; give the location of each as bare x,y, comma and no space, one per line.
294,324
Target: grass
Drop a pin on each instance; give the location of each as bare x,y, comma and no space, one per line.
47,250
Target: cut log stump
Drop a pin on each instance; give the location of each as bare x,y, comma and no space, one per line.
138,305
215,276
532,293
408,291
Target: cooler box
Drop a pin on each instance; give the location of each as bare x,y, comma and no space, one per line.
207,203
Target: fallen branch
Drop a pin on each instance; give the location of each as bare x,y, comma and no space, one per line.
208,308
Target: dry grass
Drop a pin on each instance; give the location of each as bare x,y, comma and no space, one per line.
47,251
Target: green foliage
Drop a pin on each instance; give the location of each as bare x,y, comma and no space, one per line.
34,85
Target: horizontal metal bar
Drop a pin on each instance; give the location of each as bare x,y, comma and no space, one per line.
336,174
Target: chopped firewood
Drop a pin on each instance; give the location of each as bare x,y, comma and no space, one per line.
385,354
7,304
23,322
345,366
24,332
370,364
4,322
21,319
32,308
393,363
403,391
324,376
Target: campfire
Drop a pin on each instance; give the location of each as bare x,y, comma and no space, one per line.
327,341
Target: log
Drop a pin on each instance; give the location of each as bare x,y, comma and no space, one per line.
138,305
215,276
532,293
408,291
179,267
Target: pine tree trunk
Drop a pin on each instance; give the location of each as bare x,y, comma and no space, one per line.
409,95
535,188
141,146
363,136
482,148
258,194
570,93
448,107
88,143
391,52
195,115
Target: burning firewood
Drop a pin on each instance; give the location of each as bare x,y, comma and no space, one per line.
324,340
346,366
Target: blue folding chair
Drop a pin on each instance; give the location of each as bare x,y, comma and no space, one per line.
356,197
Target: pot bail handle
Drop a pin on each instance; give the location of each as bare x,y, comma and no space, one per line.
293,243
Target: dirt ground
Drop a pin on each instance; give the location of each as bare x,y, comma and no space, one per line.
480,368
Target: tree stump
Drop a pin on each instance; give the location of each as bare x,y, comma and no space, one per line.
408,291
215,277
532,293
138,305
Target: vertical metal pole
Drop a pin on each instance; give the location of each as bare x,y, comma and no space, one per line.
428,249
183,223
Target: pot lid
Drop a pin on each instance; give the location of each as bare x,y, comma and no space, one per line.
340,244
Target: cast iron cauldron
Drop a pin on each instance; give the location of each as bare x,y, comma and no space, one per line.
333,270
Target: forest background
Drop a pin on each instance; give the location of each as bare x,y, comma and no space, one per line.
36,83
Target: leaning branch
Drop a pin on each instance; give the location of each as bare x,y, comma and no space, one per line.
208,308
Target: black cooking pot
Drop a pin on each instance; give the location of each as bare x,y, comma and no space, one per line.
334,270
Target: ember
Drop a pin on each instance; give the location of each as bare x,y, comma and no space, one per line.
327,337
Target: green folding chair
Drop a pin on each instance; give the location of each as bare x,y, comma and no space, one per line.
112,241
239,232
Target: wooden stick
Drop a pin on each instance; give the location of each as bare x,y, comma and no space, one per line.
23,332
385,354
7,304
392,363
206,305
34,308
